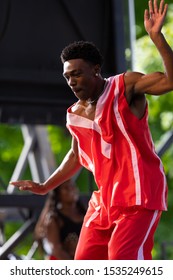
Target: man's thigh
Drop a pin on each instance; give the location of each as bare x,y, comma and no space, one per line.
133,234
93,244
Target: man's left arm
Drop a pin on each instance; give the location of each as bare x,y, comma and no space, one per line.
156,83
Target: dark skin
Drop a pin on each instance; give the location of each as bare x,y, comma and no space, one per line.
86,82
80,77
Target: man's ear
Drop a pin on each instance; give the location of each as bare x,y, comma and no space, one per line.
97,69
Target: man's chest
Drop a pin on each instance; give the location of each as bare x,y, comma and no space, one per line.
85,110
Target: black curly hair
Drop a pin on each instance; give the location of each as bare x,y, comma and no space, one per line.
54,199
84,50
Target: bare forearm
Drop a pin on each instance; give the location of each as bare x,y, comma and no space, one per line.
165,52
69,166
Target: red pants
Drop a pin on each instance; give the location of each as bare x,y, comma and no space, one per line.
129,237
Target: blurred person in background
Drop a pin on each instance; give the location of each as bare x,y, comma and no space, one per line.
58,227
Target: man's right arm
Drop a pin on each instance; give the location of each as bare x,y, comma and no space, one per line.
69,166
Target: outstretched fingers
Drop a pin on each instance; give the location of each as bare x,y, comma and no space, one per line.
150,6
22,185
163,7
158,9
154,8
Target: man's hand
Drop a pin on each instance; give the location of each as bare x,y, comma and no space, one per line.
155,16
27,185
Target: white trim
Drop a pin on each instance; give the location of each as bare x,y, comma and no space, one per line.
81,153
132,148
79,121
141,248
113,192
92,217
163,174
87,159
164,186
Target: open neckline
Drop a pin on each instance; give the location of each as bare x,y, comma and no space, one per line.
97,106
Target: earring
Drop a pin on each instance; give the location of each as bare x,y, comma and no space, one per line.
59,205
96,74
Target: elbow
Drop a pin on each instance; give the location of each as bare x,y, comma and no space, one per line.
166,84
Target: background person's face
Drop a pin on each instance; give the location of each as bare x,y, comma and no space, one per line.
69,192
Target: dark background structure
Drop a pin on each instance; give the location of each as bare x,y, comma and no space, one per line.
32,35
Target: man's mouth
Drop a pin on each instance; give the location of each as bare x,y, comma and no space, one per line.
76,90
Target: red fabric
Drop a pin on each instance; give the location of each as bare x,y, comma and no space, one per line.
117,147
129,237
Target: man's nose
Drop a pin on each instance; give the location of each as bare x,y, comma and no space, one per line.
72,81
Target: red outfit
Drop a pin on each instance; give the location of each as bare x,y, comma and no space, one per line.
117,147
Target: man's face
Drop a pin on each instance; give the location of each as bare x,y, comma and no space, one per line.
80,76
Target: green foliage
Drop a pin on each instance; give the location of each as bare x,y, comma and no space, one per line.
9,151
23,248
60,141
140,6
